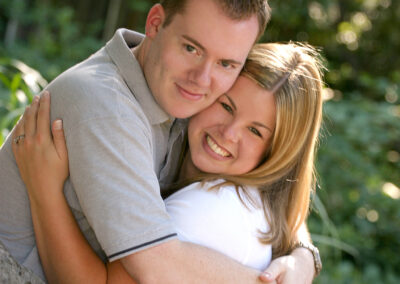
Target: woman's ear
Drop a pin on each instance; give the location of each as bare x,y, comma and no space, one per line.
154,21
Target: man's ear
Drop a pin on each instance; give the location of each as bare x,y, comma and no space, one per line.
155,19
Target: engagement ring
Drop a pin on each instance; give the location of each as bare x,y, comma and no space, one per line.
19,137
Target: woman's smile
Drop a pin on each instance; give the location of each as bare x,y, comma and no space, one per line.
212,145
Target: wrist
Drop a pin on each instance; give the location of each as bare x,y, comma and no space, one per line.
45,198
309,253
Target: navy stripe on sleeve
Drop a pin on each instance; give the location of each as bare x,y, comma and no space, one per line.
142,245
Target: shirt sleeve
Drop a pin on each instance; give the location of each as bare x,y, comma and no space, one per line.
111,166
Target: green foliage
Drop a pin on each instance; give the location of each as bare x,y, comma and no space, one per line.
18,84
355,171
356,216
52,39
355,221
140,5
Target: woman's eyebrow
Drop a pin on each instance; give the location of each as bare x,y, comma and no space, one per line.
231,101
254,122
262,125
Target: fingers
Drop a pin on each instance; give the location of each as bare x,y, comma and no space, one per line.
19,128
59,139
36,119
267,278
272,273
16,135
43,117
30,116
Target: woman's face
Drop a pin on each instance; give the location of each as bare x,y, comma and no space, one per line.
232,135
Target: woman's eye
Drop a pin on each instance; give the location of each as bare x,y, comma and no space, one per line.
189,48
227,107
255,131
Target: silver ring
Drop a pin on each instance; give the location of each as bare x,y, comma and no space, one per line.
19,137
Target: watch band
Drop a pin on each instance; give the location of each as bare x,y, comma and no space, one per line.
315,252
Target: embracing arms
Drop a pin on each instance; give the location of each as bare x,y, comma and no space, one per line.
65,254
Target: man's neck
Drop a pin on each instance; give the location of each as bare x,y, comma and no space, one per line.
138,52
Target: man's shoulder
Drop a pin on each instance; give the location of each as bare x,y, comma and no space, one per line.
93,88
97,73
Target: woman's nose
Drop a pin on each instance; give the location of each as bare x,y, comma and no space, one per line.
231,132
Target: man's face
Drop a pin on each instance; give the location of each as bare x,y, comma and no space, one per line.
197,57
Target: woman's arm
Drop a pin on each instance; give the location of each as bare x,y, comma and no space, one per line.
65,254
297,267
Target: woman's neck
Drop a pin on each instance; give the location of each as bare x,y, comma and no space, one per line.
188,169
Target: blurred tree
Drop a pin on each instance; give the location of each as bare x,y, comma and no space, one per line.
359,158
356,214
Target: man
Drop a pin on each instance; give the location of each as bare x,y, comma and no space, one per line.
118,109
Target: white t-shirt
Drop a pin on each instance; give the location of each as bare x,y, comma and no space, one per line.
218,219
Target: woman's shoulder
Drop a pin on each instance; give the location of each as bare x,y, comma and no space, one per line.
222,203
221,219
219,189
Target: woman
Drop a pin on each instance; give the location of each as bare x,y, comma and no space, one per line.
249,168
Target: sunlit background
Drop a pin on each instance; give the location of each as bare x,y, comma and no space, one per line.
356,212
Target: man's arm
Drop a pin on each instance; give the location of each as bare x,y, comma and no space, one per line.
180,262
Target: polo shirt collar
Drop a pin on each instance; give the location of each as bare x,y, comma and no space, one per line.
119,50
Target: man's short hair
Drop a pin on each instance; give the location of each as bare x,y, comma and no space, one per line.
234,9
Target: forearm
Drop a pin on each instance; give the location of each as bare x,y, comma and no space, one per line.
180,262
303,235
65,254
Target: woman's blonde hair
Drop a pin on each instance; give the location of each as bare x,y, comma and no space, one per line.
286,177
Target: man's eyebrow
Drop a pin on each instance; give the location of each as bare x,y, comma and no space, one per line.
230,100
195,42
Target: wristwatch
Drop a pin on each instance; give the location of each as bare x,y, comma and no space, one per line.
315,252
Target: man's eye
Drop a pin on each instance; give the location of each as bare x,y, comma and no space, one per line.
190,48
226,64
255,131
227,107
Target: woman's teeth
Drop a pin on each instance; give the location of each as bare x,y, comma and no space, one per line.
216,148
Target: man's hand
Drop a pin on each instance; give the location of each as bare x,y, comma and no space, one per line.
296,268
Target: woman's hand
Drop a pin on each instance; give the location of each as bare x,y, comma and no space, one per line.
41,157
296,268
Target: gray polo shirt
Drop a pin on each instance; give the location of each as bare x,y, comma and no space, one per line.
118,142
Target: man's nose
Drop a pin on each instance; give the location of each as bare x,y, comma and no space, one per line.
201,74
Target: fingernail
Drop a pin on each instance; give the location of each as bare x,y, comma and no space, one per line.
36,99
58,124
46,94
266,275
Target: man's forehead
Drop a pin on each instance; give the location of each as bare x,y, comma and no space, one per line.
215,33
206,16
